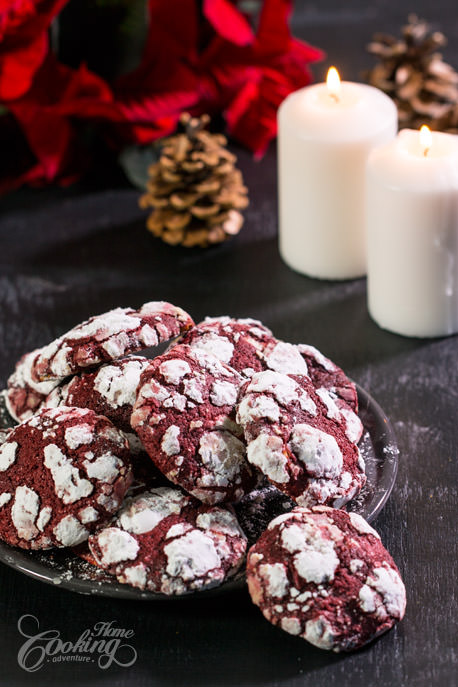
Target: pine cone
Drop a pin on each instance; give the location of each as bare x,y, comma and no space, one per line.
195,189
423,86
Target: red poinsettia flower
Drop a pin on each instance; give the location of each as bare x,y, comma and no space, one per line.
152,97
254,78
23,42
49,113
212,60
199,56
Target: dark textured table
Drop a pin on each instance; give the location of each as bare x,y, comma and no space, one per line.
66,254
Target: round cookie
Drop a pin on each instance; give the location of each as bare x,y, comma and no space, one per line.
324,575
166,541
109,390
296,442
63,473
237,342
184,416
105,337
24,396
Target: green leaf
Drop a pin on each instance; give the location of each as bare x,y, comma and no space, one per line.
135,161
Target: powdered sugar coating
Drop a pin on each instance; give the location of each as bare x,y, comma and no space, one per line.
237,342
294,439
186,422
24,512
337,391
109,390
78,435
249,347
66,472
285,358
266,453
69,531
166,541
8,454
317,450
5,498
109,336
146,510
68,483
115,545
333,387
191,556
387,583
24,396
302,576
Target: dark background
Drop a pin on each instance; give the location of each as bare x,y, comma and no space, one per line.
69,253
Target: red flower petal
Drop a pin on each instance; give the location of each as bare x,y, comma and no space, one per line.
152,106
252,115
151,98
152,116
17,69
228,21
273,32
305,52
171,46
46,112
23,42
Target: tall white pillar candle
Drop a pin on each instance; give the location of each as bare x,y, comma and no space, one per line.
412,224
325,134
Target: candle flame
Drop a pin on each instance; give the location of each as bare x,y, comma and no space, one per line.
426,139
333,83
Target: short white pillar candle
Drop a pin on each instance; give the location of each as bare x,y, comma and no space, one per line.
412,225
325,134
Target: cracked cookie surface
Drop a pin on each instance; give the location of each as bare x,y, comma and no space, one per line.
324,575
297,437
109,336
63,473
185,418
168,542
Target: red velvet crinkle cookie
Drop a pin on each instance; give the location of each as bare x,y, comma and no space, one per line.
106,337
24,396
296,442
324,575
109,390
185,418
63,473
336,390
166,541
236,342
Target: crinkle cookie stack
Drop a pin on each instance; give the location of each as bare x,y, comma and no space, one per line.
142,458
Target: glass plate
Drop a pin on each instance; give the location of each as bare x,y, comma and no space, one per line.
61,567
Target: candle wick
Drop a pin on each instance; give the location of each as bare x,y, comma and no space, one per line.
425,152
335,97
